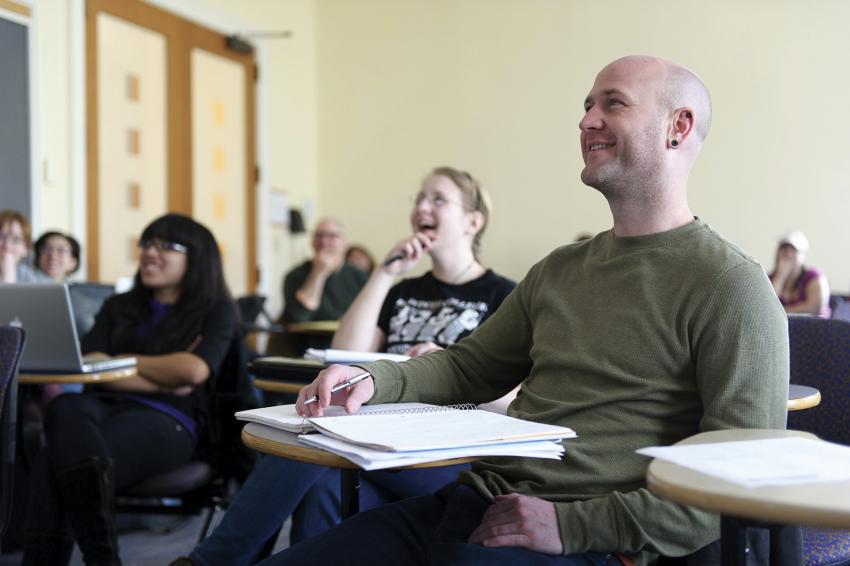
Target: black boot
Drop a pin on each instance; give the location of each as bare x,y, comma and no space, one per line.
88,492
46,550
46,537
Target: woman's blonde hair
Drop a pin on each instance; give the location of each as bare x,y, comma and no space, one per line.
475,198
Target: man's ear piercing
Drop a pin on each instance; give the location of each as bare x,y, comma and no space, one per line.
674,143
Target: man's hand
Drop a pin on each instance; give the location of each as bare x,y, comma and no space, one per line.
327,261
520,520
351,397
422,348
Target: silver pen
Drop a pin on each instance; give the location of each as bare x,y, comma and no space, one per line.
340,386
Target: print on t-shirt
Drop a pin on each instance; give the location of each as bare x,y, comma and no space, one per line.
439,321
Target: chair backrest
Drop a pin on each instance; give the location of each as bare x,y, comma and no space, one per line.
250,307
229,392
841,310
820,357
86,300
11,346
835,300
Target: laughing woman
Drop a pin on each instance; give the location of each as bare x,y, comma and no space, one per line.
178,321
414,317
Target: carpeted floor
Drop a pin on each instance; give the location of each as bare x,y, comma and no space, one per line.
152,540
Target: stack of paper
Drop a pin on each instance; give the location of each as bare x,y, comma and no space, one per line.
755,463
331,356
392,435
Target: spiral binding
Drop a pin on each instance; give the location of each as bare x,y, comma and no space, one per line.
418,410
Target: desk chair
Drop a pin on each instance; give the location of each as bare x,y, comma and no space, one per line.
222,459
820,357
11,346
841,310
836,301
86,300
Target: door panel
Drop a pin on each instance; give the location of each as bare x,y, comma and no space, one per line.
132,137
170,129
218,158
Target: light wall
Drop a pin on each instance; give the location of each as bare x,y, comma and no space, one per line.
496,87
366,96
286,116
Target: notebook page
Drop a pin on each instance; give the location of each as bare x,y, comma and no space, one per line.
286,418
436,430
755,463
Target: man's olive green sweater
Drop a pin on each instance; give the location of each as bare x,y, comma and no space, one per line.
631,342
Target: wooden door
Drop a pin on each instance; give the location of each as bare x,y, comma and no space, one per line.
170,128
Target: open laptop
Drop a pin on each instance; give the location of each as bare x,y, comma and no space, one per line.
43,310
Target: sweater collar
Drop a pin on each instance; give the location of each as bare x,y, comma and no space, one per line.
655,240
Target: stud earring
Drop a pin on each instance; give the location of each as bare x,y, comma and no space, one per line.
674,143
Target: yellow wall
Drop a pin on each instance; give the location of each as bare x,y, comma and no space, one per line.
287,112
54,114
496,86
369,94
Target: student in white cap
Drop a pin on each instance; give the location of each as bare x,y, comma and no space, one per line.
801,289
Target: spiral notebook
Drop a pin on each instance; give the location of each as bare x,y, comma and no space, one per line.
286,418
410,427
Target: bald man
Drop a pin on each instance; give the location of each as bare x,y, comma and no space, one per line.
321,288
645,334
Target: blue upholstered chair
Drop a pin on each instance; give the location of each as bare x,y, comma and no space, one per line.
11,346
820,357
840,306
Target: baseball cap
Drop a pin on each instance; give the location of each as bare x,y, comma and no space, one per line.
796,239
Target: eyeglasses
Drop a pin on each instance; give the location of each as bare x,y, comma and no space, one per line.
435,200
58,250
13,239
162,245
327,235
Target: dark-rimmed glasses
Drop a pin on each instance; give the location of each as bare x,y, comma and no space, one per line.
162,245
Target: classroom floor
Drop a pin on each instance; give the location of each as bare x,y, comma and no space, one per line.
155,540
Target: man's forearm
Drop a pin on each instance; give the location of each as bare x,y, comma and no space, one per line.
310,293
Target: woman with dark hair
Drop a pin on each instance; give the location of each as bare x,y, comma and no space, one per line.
179,321
57,255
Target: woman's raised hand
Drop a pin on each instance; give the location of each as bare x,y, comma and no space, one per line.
406,254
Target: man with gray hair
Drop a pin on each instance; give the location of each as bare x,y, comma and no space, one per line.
323,287
645,334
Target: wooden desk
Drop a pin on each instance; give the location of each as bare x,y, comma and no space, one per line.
275,386
802,397
321,327
285,444
279,374
84,378
825,504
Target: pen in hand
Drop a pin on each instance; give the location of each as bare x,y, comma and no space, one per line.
340,386
394,258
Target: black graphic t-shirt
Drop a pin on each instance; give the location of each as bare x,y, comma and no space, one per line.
425,309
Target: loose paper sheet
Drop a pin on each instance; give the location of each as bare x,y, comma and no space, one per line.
755,463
